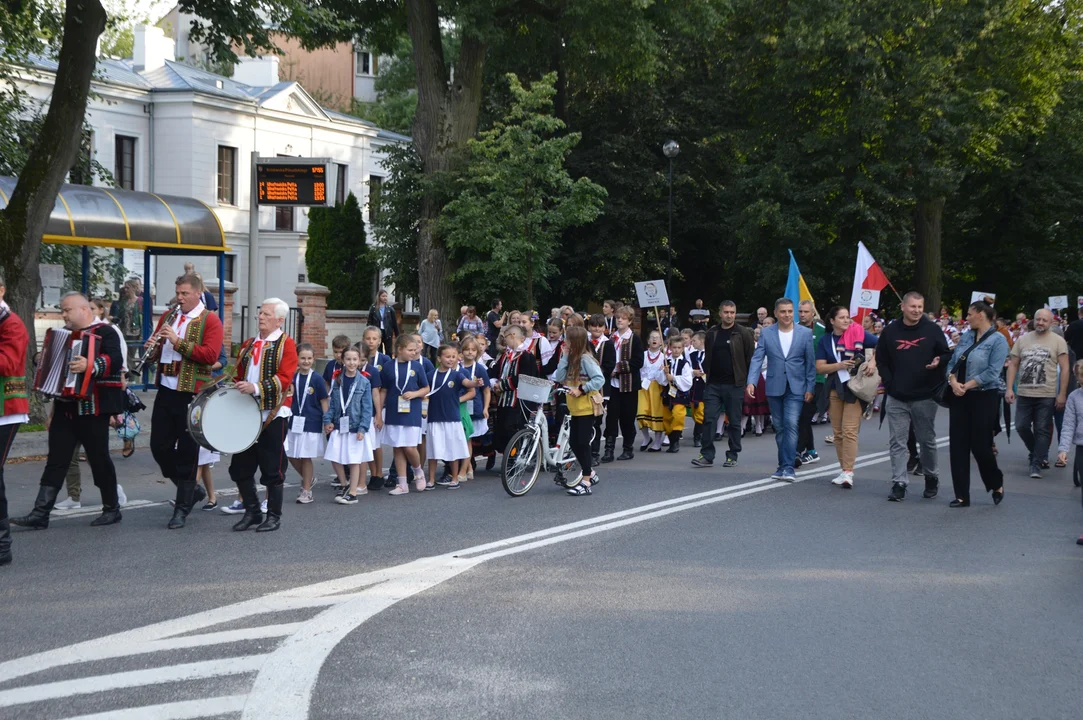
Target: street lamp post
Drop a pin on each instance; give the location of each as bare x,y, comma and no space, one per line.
670,149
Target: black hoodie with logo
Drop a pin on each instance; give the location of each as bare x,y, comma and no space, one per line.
902,353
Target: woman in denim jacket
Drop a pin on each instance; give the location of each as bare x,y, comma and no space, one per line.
974,375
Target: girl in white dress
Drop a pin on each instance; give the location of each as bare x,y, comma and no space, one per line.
349,421
304,442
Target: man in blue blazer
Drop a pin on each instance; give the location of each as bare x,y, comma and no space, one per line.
791,380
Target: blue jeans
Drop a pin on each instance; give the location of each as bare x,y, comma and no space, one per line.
785,414
1034,425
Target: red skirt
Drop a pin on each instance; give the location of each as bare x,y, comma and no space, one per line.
758,406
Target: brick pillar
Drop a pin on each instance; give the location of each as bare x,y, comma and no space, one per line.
227,312
312,300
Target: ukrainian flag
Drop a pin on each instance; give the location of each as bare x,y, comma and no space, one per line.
796,289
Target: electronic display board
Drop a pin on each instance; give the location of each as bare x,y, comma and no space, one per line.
291,184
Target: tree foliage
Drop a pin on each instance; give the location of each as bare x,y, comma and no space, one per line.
397,224
338,257
516,199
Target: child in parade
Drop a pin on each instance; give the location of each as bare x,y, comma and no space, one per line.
349,420
607,359
1072,431
652,382
609,317
338,344
581,373
624,397
405,382
475,376
677,395
305,440
446,438
373,362
516,360
698,385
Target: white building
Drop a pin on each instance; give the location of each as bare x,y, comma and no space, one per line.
163,127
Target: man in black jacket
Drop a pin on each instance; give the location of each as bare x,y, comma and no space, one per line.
729,348
912,356
83,421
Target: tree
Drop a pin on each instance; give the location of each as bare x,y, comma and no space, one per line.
516,199
337,255
396,224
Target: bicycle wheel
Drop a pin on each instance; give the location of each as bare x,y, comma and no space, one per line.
522,463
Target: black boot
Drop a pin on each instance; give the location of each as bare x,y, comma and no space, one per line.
607,457
38,518
182,504
5,541
628,454
198,496
274,510
252,513
110,516
674,442
932,485
697,434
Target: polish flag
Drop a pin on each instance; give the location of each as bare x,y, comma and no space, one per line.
869,280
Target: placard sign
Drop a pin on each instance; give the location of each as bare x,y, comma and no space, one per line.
987,298
868,299
652,293
1058,302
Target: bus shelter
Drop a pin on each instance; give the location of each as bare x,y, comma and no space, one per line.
156,224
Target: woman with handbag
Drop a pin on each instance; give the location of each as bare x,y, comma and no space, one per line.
582,375
974,380
845,408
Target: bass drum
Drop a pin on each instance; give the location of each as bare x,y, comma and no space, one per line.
224,419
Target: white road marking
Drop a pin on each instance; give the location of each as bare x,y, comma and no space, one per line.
185,710
286,676
134,678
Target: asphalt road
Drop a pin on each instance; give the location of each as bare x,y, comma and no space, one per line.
670,592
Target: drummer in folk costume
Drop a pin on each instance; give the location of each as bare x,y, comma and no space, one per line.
13,395
191,341
83,420
265,368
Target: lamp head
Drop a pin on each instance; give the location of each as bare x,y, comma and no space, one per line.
670,149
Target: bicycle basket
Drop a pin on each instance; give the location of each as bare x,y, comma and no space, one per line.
535,390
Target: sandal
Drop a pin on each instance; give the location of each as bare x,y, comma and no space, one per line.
579,490
1060,463
129,448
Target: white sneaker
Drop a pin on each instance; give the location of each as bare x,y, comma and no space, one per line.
844,479
68,504
121,497
236,508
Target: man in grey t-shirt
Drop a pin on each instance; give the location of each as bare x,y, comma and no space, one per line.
1039,361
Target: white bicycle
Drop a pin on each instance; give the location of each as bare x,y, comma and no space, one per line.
528,451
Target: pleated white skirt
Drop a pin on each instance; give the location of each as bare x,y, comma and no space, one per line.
402,436
447,441
346,449
304,445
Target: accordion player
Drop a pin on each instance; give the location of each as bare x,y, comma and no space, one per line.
60,347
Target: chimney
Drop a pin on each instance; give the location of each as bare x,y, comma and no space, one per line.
152,48
258,71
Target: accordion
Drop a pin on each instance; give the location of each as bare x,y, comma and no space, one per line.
53,378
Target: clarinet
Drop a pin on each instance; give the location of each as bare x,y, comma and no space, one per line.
156,349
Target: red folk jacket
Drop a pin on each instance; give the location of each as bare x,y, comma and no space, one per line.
13,383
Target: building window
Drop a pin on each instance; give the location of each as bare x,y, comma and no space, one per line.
376,191
364,63
231,268
284,218
124,169
340,183
227,174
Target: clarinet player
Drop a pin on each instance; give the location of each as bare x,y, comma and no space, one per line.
184,346
83,421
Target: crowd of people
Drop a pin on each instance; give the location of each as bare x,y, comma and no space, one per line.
442,402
